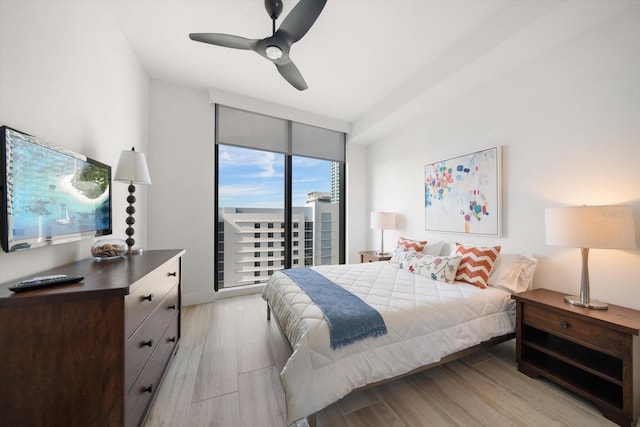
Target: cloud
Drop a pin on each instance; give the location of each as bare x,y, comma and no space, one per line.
252,163
236,190
267,165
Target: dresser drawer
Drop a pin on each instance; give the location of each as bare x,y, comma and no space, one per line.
575,329
147,294
145,340
146,386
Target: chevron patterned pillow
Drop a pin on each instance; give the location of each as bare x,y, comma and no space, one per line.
476,263
417,245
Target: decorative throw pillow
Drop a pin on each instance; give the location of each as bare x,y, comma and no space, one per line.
513,272
440,268
418,245
476,264
402,256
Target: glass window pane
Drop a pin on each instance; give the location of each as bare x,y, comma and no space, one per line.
315,196
250,197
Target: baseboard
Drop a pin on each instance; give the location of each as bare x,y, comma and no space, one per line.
206,297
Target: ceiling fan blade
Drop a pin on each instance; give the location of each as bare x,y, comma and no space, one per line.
301,18
225,40
290,72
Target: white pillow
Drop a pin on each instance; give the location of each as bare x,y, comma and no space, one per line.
433,249
513,272
440,268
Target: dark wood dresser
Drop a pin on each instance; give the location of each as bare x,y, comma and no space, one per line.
594,353
91,353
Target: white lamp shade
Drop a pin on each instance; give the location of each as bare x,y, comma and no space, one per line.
383,220
602,227
132,167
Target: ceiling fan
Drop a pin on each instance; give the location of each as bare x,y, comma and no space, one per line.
276,47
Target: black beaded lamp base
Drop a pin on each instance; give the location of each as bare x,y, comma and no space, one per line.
131,199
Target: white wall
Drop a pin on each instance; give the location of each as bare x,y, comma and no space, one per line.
181,199
569,123
68,76
357,209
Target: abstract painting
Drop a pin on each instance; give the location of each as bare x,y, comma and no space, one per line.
462,194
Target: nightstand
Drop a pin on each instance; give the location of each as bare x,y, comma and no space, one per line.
373,256
593,353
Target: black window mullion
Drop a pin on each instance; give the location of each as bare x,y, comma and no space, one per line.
288,210
343,216
215,202
288,199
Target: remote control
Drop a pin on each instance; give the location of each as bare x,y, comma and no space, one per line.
38,278
44,282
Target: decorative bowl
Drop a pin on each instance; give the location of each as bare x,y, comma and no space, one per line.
111,248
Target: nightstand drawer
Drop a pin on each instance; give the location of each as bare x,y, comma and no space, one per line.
575,329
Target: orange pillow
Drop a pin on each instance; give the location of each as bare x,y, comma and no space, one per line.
476,264
418,245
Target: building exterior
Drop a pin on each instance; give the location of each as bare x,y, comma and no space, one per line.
335,182
251,243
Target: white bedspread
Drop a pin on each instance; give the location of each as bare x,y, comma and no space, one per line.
426,320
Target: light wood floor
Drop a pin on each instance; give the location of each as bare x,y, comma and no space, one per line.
225,374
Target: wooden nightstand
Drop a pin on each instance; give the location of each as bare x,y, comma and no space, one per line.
593,353
373,256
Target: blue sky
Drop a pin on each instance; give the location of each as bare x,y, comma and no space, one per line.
252,178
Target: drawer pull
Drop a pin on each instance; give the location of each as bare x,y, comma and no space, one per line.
147,343
172,339
148,389
173,274
172,307
148,298
564,325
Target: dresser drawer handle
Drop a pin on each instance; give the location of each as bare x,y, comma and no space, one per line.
173,274
148,298
148,389
172,307
172,339
564,325
147,343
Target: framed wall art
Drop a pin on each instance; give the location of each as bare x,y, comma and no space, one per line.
462,194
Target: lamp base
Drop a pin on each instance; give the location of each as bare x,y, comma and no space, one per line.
592,303
136,251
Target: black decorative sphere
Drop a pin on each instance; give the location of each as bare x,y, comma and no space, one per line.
132,188
131,220
131,210
130,231
131,198
130,242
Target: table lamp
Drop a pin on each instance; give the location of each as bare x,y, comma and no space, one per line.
585,227
383,221
132,168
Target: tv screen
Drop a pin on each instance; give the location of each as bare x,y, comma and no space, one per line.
50,194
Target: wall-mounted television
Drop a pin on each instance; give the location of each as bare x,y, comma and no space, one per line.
49,194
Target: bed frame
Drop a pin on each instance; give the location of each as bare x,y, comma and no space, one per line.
311,419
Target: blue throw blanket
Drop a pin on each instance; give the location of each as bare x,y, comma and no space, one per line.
350,319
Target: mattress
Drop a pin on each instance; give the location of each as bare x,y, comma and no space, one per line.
426,321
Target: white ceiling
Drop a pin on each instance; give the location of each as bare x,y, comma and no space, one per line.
363,59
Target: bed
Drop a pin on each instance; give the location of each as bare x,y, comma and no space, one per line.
428,322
